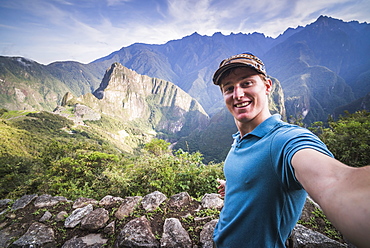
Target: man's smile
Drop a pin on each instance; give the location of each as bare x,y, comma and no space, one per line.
243,104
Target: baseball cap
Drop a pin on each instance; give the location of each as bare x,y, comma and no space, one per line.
239,60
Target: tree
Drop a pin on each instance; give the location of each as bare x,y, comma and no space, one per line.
2,111
157,147
348,138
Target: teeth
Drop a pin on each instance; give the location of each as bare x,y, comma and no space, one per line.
242,104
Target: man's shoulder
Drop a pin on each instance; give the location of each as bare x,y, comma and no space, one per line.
286,130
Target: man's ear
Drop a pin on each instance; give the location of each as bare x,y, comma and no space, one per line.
268,84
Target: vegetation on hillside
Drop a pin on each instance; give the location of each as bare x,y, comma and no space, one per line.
347,138
44,153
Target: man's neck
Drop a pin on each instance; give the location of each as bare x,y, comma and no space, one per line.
247,127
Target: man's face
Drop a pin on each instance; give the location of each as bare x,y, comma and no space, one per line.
244,94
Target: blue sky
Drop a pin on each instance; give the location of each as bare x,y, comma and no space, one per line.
84,30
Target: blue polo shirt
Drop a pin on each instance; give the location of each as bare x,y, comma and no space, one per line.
263,199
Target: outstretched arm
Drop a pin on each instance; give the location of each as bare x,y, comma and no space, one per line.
342,192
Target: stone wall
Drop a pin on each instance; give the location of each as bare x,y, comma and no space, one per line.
150,221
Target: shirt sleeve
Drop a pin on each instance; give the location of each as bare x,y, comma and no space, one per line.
289,142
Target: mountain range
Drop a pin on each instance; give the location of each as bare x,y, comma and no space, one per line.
321,69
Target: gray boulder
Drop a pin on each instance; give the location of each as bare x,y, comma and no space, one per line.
95,220
174,235
77,215
88,241
23,201
128,206
152,201
137,233
37,235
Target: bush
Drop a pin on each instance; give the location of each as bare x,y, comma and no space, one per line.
348,138
81,170
171,174
2,111
81,175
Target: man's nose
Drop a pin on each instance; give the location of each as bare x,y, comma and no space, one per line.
238,92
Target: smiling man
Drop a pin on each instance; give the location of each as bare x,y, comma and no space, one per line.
272,165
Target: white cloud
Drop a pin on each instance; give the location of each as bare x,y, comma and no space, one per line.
86,30
116,2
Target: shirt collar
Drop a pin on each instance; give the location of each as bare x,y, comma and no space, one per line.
263,128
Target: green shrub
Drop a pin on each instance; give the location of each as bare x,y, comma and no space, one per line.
172,174
78,176
348,138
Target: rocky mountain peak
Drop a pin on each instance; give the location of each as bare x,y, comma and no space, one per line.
126,95
123,85
68,99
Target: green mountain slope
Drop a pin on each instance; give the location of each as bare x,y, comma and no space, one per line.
26,84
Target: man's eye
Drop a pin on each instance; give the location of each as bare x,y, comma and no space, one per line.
228,89
246,84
